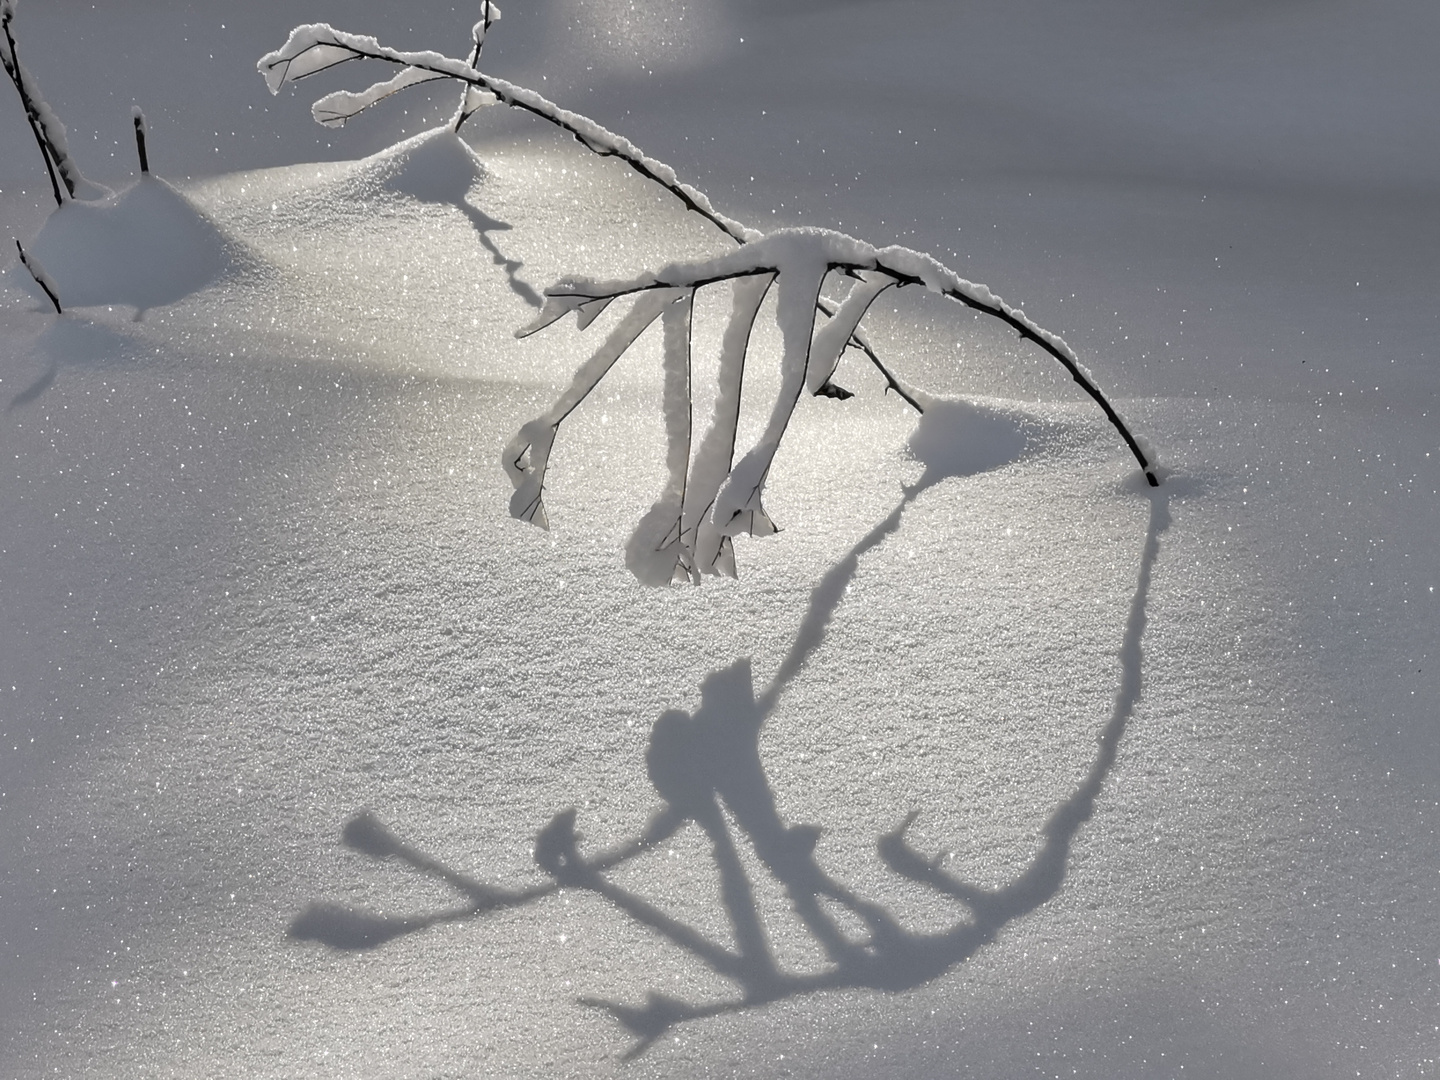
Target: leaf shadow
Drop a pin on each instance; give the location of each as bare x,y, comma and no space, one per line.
707,770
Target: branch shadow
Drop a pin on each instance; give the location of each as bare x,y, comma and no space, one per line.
707,763
484,225
70,341
438,167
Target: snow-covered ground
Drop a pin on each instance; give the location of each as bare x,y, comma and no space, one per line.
258,579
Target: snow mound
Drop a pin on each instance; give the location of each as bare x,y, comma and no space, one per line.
145,246
962,438
436,166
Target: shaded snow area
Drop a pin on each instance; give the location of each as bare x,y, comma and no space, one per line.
992,762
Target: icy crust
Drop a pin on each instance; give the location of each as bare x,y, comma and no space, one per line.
316,47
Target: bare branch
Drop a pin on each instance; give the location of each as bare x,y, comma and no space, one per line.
20,78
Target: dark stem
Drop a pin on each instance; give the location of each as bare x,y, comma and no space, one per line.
140,142
39,277
462,114
857,340
1079,376
12,68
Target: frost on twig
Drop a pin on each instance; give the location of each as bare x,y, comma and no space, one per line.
717,497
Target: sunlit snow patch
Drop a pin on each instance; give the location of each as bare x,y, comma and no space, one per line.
144,246
435,167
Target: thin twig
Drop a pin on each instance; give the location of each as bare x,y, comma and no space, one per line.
41,278
597,139
140,140
11,62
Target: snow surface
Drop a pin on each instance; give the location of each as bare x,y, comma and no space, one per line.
1177,749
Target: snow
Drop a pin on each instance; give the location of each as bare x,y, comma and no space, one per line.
316,47
658,551
146,246
290,706
831,339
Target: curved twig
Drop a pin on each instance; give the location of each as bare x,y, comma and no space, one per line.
317,47
318,38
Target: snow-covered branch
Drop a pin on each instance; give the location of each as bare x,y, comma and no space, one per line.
41,278
333,110
719,499
685,534
317,47
49,132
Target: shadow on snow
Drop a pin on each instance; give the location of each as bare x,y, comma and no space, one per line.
439,168
708,762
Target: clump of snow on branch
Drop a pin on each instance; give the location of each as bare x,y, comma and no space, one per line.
333,110
705,502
